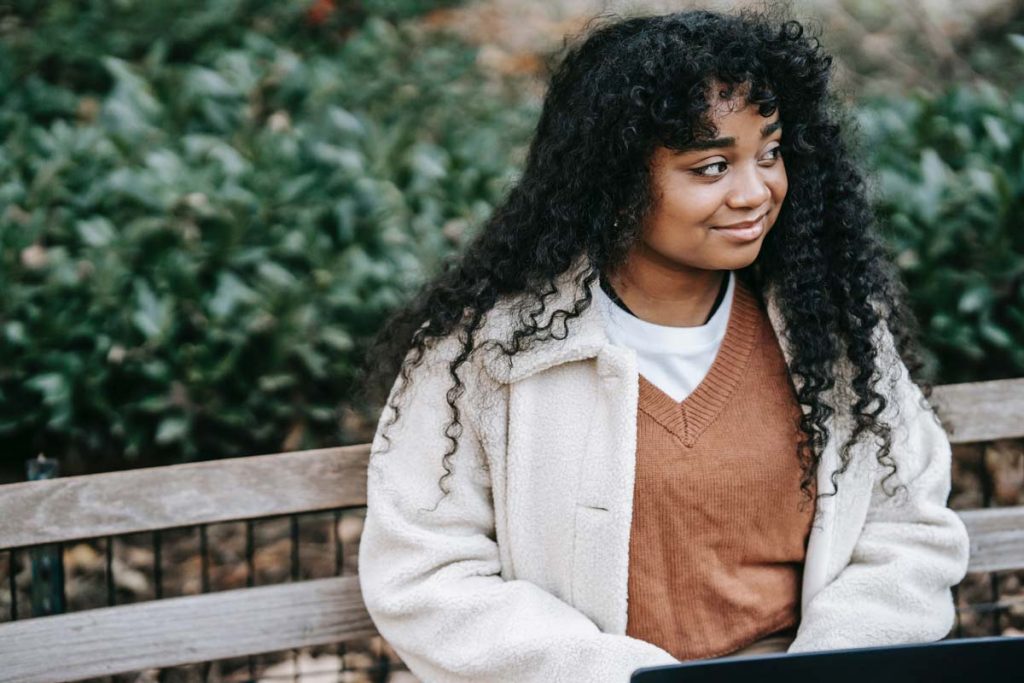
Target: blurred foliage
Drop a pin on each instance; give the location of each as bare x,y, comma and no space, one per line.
950,196
997,53
206,208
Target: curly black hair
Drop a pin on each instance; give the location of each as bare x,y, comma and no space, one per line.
626,87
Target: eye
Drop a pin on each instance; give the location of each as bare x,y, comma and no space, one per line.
702,170
776,152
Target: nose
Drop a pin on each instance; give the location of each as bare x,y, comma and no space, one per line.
749,189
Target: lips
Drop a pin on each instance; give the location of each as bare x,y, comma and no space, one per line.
743,235
741,226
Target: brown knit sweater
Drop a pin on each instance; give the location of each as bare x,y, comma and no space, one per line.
719,528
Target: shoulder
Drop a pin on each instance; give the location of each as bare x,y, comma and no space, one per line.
443,373
446,360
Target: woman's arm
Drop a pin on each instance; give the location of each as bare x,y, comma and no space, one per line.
431,579
912,550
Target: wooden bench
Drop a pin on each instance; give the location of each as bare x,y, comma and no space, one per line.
233,623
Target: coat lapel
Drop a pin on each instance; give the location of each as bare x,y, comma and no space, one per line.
584,338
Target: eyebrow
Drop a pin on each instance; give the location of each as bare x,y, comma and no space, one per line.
717,143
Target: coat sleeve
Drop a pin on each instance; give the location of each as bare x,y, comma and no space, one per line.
912,549
431,577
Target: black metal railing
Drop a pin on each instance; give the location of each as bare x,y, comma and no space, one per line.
47,590
47,587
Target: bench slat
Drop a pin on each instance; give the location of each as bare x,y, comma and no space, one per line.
152,498
997,538
147,499
982,411
271,618
183,630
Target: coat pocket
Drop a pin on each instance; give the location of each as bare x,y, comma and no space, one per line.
591,563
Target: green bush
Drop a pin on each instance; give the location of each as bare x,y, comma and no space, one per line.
196,242
207,208
950,195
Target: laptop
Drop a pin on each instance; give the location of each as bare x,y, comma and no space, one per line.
995,659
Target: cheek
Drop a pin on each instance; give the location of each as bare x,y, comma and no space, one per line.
780,185
681,220
693,203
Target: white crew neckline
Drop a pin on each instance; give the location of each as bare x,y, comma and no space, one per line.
627,329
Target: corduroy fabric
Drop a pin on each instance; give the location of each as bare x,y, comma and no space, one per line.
720,527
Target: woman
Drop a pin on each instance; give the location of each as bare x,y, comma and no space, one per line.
661,408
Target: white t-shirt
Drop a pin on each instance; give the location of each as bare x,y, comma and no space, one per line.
674,359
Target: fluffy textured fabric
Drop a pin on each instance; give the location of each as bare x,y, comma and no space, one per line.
520,573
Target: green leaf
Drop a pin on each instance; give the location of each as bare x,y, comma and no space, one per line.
96,231
14,331
997,133
171,430
995,335
345,122
202,82
151,315
53,386
276,275
313,361
337,338
230,292
975,299
272,383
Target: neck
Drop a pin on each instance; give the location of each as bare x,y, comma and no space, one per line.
667,293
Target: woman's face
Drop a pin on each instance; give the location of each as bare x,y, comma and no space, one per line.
736,178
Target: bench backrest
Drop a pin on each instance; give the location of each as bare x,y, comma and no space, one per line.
232,623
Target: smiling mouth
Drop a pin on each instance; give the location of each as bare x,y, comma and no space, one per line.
743,226
744,235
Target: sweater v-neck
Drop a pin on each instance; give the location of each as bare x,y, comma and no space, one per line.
687,419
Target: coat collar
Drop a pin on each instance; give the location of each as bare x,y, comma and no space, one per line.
576,339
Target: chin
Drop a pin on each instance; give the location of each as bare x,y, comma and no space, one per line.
739,258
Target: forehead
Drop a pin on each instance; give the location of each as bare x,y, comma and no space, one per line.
737,112
735,123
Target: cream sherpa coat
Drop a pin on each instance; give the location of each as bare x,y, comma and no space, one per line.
519,574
